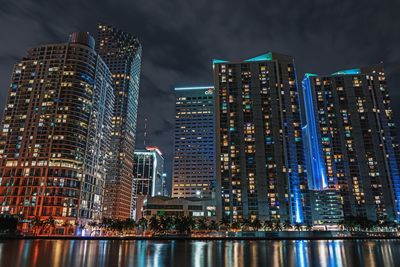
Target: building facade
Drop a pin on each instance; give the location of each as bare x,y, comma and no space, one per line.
149,206
148,174
352,146
260,160
194,143
122,53
56,131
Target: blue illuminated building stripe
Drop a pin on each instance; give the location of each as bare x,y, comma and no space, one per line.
394,172
316,170
216,61
295,179
263,57
308,75
348,72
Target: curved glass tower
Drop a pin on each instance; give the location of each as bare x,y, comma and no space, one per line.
56,131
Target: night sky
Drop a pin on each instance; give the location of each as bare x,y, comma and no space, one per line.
180,38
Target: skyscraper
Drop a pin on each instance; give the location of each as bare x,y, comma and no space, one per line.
260,161
56,132
148,170
352,144
122,53
326,204
194,144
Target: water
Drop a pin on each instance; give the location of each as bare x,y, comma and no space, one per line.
113,253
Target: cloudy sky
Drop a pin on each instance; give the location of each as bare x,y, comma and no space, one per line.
181,37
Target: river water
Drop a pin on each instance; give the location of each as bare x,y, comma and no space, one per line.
114,253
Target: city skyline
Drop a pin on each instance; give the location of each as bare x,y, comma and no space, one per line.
199,133
256,131
181,54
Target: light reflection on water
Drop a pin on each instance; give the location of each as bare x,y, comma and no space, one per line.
94,253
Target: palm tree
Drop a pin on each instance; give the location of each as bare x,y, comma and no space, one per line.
8,224
105,224
184,224
154,224
298,226
367,225
143,223
166,223
392,226
163,224
129,225
213,225
117,226
37,224
224,223
202,224
352,223
309,227
268,224
286,225
278,226
169,223
236,226
246,224
178,223
50,224
256,224
189,223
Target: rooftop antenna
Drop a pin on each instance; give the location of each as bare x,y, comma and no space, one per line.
145,133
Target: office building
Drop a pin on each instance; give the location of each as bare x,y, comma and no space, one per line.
195,207
56,132
122,53
194,143
148,174
351,141
260,160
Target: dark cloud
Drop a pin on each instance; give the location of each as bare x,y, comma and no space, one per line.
180,38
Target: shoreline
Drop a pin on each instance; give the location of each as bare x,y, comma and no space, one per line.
201,238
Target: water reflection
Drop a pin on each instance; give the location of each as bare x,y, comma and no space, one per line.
92,253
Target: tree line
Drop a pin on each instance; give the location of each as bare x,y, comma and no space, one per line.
178,224
186,224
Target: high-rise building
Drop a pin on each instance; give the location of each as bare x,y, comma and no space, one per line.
326,205
351,141
194,144
148,174
122,53
260,160
56,132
